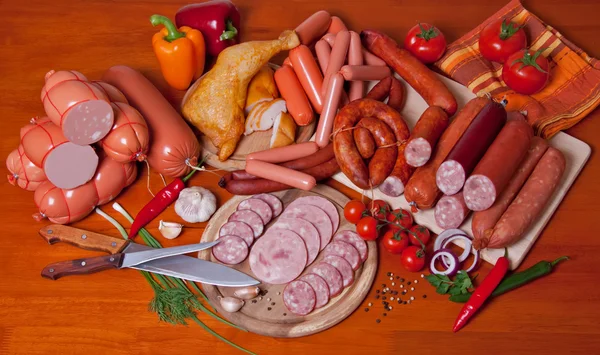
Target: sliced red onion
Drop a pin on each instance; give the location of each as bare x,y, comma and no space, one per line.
437,245
475,264
467,249
445,254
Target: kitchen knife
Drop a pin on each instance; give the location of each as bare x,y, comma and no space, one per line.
179,266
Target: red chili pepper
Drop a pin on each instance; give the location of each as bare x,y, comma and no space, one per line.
488,285
159,203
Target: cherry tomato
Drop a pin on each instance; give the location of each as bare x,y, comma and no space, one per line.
500,39
401,217
426,42
413,258
395,241
353,211
379,209
526,72
422,235
367,228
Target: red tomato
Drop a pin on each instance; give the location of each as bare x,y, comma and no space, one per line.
401,217
426,42
526,72
367,228
413,258
353,211
379,209
422,233
500,39
395,241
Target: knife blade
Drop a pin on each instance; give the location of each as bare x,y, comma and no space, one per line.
179,266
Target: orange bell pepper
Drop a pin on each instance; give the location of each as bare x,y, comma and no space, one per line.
180,52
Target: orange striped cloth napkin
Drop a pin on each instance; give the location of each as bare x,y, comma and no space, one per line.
572,92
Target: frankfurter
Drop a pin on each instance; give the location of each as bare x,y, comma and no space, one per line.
498,165
355,58
313,27
484,220
288,62
451,175
287,153
425,135
336,25
528,204
332,102
451,211
308,73
364,142
396,97
415,73
365,72
292,92
175,148
381,90
421,190
323,51
339,51
280,174
368,57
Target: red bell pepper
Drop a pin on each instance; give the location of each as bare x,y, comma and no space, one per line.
218,20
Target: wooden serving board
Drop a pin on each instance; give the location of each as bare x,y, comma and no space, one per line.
576,153
254,142
256,317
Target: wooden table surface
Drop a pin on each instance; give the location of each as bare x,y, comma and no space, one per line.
107,312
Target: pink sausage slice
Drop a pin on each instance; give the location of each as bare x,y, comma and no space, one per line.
259,206
39,137
332,276
319,286
323,204
314,215
70,165
273,201
355,240
346,251
306,231
231,250
299,297
239,229
343,267
278,257
451,211
251,218
287,153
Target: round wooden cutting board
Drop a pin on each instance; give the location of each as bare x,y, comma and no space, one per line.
268,316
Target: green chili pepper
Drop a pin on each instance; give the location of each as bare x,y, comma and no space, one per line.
517,279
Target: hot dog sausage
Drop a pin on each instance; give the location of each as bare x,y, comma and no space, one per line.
415,73
396,98
355,58
295,98
336,25
323,51
498,165
484,220
425,135
364,142
280,174
381,163
381,90
332,102
307,71
372,59
174,146
421,190
128,140
339,51
287,153
313,27
451,175
287,62
528,204
451,211
364,72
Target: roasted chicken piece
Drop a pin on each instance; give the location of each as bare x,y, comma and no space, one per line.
216,106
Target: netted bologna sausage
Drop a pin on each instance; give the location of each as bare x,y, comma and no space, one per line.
273,201
346,251
323,204
343,266
484,220
174,146
39,137
53,78
306,231
332,277
23,172
452,174
251,218
259,206
64,206
498,165
314,215
353,239
112,177
528,204
239,229
421,190
451,211
232,250
319,286
129,139
299,297
113,94
80,109
278,257
424,136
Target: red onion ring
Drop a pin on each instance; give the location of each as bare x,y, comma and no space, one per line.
437,245
475,264
445,254
468,245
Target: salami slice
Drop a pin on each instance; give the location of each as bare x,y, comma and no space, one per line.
251,218
231,250
323,204
306,231
355,240
392,186
346,251
278,257
319,286
239,229
314,215
451,211
343,267
273,201
69,165
88,122
417,152
259,206
299,297
332,276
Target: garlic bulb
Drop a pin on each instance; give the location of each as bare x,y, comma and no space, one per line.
247,293
195,204
231,304
169,230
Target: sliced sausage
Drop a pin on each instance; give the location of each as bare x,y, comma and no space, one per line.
273,201
70,165
232,250
239,229
251,218
394,184
313,27
299,297
424,136
306,231
451,211
343,267
319,286
129,138
331,103
259,206
307,70
316,216
346,251
332,276
323,204
295,98
278,257
39,137
355,240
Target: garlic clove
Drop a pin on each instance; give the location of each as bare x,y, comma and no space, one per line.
169,230
231,304
247,293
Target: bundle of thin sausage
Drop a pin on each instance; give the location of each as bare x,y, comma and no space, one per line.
280,254
84,152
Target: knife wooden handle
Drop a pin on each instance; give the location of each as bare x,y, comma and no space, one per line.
55,233
82,266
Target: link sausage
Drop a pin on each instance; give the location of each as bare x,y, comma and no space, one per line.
396,98
295,98
364,72
323,51
336,25
287,153
313,27
339,51
364,142
355,58
425,135
332,102
382,162
381,90
280,174
309,75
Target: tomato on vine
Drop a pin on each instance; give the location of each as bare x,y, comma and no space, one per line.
400,217
353,211
379,209
395,241
413,258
